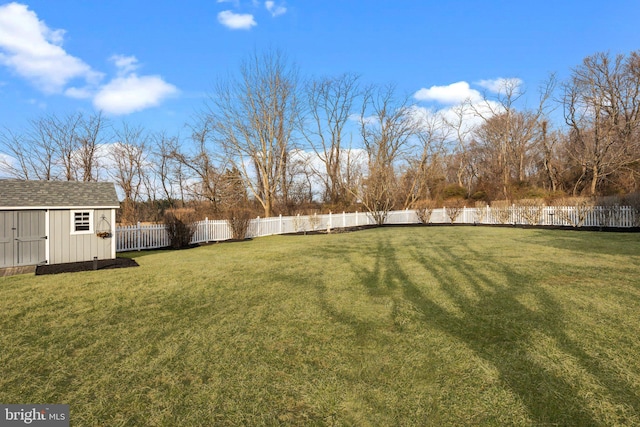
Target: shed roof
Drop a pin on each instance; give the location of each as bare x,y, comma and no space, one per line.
15,194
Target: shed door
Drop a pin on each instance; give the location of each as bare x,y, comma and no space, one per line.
22,238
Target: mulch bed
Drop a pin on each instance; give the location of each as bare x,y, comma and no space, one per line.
71,267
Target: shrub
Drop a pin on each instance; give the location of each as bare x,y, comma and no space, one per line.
534,193
180,232
633,200
453,209
314,221
531,211
481,212
424,209
454,191
576,214
502,211
239,221
480,195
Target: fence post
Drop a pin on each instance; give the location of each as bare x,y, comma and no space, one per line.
138,237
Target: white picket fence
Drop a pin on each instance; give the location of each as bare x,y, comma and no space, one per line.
138,237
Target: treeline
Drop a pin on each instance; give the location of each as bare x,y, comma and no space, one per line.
269,142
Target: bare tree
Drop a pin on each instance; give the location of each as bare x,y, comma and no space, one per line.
299,179
424,166
386,125
38,152
17,160
330,102
167,168
88,136
129,156
55,148
254,118
602,109
549,159
62,133
509,140
505,142
200,167
461,159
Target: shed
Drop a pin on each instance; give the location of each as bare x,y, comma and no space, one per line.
55,222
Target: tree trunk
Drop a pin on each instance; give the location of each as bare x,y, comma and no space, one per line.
594,180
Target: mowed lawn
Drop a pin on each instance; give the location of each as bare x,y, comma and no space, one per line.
384,327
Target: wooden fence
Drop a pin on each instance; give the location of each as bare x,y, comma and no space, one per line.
138,237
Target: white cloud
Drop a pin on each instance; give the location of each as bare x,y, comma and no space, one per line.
500,85
426,118
34,51
125,64
464,108
275,10
454,93
236,21
464,118
368,120
128,92
80,92
131,93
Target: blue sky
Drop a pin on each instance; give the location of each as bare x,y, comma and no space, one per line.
153,62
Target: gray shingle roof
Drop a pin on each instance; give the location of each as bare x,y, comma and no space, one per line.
57,194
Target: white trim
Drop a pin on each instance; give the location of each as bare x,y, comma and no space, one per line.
113,234
72,215
47,243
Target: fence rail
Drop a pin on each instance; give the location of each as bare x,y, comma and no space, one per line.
138,237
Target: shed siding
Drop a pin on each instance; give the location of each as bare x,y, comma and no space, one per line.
31,236
67,247
6,239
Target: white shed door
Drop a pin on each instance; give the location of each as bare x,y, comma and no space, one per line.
22,238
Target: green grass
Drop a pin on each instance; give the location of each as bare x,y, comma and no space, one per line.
392,326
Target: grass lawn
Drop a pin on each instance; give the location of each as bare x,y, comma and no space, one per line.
384,327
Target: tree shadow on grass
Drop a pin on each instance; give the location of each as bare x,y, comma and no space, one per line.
591,243
498,327
376,284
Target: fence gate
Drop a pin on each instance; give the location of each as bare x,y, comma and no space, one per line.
22,238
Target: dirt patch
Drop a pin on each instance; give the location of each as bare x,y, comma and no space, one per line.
71,267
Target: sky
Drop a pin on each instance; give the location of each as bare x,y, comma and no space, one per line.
154,63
